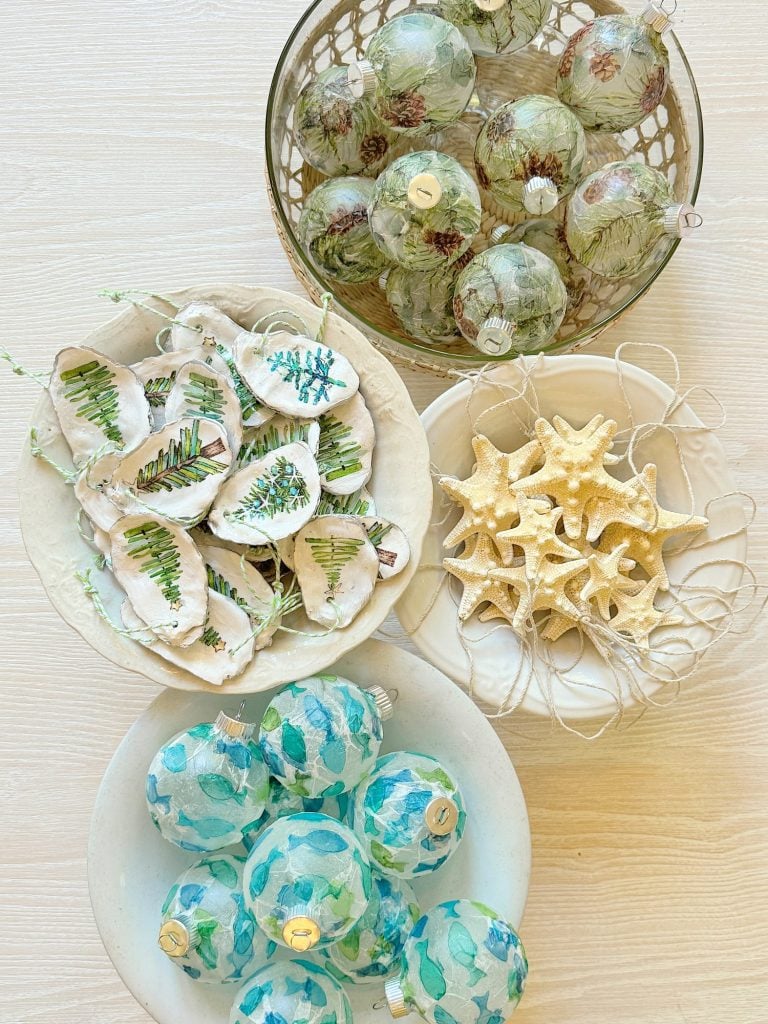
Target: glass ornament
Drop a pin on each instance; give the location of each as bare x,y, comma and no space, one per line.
422,300
207,785
510,296
334,232
372,949
409,814
336,132
425,210
281,802
462,964
307,881
614,71
530,153
205,928
320,736
621,219
495,27
548,236
291,992
418,70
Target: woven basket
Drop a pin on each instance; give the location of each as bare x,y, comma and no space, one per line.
337,31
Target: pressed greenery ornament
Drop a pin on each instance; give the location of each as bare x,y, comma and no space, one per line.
495,27
293,990
336,567
345,447
279,431
422,300
548,236
200,392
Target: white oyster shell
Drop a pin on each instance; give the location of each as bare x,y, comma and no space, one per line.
200,323
177,472
344,454
360,503
89,491
223,650
279,431
202,534
294,375
201,392
230,575
285,549
269,499
98,402
392,547
336,566
163,575
158,374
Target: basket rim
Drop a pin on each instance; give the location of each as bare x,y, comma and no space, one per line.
419,350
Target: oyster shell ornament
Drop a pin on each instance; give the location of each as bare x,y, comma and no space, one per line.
345,447
291,990
391,544
232,576
496,27
339,133
621,219
418,71
425,210
279,431
158,375
509,297
530,153
200,323
201,392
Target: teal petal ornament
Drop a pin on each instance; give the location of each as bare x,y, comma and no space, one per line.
281,802
291,991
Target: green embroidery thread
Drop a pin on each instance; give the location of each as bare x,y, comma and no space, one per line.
154,545
337,457
211,638
281,489
158,389
332,554
92,385
204,397
187,461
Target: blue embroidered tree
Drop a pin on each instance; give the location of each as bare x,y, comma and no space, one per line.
309,372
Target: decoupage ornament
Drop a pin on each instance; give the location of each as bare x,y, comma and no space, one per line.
409,814
282,802
279,431
334,230
530,153
614,70
205,929
425,210
548,236
391,544
307,881
621,219
418,71
235,578
207,784
291,992
372,949
509,297
345,446
200,392
337,132
360,503
422,300
320,736
462,964
90,487
495,27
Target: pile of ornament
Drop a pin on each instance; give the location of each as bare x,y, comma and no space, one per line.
414,226
317,860
552,541
233,449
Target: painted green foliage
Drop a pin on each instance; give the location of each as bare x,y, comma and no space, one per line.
309,370
154,547
548,236
186,461
292,992
270,437
204,397
337,456
332,554
281,489
92,388
212,638
505,30
357,504
157,389
249,404
613,73
422,300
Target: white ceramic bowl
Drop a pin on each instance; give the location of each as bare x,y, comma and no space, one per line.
400,485
131,867
575,387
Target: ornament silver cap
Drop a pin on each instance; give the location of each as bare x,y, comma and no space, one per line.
233,727
540,195
383,702
361,78
393,992
441,816
499,233
495,336
178,936
300,930
657,18
681,220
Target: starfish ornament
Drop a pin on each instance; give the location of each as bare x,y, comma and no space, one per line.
636,615
632,509
474,573
545,591
605,579
536,535
488,504
521,462
566,431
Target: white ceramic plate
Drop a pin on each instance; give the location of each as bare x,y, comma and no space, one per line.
400,485
131,867
575,387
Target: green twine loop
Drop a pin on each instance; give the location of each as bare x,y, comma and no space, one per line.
68,475
39,377
127,296
326,299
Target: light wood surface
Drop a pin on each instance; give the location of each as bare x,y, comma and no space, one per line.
131,155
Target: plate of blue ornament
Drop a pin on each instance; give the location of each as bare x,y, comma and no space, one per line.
324,853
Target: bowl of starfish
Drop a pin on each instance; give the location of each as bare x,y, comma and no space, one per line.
587,543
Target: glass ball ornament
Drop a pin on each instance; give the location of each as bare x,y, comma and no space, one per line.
496,27
530,153
548,236
425,210
409,814
281,802
333,230
291,991
336,132
418,71
207,785
621,218
422,300
321,736
205,928
510,296
307,881
372,949
462,963
614,70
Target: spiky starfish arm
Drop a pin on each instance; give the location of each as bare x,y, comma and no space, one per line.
606,579
474,573
636,615
536,534
545,591
521,462
487,502
632,509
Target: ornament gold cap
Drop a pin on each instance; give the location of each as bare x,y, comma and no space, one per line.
178,936
383,702
657,18
681,220
499,233
495,336
540,195
441,816
300,930
393,992
424,191
233,727
361,78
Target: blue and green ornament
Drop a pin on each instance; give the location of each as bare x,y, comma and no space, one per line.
307,881
205,928
462,964
207,785
409,814
319,737
291,992
281,802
